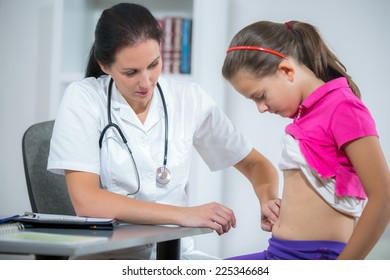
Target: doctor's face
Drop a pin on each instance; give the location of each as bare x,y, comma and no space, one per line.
135,71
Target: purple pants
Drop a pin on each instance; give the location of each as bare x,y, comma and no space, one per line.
280,249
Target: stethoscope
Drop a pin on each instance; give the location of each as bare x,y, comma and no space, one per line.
163,175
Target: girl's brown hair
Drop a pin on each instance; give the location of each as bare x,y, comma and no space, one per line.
296,39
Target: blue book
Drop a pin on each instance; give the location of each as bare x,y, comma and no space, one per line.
185,65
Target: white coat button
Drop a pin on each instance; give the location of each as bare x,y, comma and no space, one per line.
143,141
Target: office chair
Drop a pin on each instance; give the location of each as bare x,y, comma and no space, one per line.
47,191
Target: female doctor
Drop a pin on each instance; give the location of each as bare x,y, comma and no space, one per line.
123,138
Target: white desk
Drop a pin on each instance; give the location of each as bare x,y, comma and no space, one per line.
124,236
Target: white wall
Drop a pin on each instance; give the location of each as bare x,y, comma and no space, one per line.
356,29
25,34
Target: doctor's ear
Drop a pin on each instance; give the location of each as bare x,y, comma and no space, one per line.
287,69
104,68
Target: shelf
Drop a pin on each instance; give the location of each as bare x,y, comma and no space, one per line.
79,19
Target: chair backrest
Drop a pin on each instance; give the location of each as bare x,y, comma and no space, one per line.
47,191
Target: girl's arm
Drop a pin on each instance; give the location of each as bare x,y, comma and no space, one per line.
369,162
91,201
264,178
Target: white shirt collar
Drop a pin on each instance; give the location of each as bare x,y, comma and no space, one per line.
126,113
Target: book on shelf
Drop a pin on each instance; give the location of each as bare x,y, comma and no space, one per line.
15,232
185,66
176,45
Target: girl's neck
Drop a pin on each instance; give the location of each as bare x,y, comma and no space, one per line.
310,82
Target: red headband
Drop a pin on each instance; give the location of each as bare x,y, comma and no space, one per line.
289,25
255,48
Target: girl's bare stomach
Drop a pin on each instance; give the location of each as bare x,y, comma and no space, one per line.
304,215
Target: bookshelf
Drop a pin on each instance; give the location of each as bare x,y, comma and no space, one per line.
73,24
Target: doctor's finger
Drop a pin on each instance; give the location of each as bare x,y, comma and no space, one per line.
226,213
225,225
270,212
215,226
273,210
229,215
266,225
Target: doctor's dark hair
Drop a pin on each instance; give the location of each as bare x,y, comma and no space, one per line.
123,25
296,39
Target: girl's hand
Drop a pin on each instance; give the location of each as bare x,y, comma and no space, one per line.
211,215
270,213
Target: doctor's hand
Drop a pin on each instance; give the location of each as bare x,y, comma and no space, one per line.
211,215
270,213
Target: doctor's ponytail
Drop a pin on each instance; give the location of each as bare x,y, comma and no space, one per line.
93,68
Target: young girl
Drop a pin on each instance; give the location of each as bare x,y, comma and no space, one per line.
336,195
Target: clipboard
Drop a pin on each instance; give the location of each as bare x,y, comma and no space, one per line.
40,220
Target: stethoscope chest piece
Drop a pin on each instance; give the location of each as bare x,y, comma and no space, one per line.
163,175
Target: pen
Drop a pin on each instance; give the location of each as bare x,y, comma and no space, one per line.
8,219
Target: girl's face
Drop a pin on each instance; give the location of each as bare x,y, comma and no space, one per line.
276,94
135,71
